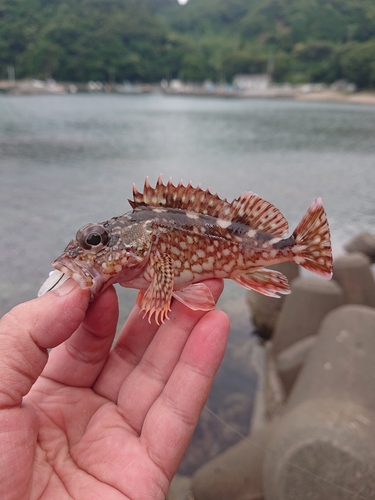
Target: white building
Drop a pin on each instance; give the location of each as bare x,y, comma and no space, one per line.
252,82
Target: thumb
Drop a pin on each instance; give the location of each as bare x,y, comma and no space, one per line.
28,330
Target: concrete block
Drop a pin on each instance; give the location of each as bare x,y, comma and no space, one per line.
364,243
324,446
324,450
342,361
274,389
236,474
265,310
290,361
311,299
353,273
180,489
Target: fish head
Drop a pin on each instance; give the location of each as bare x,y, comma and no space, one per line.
99,256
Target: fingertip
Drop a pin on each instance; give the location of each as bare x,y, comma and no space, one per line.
222,321
206,346
217,325
102,314
216,285
66,288
109,294
70,294
58,314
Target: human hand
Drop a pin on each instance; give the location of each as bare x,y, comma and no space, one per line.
91,422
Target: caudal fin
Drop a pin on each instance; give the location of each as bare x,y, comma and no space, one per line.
312,247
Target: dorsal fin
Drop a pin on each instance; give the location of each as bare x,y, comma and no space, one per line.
190,198
247,209
257,213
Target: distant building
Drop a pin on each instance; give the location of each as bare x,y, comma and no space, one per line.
252,82
343,86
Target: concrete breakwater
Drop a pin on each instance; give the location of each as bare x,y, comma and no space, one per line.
315,432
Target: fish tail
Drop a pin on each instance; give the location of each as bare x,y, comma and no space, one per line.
312,249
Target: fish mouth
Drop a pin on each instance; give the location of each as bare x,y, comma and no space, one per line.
87,276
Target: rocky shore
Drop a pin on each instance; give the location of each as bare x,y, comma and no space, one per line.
312,434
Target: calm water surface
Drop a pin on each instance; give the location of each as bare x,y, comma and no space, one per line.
69,160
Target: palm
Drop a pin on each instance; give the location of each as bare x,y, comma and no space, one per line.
82,448
113,423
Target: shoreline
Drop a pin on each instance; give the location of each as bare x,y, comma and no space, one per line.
38,87
361,97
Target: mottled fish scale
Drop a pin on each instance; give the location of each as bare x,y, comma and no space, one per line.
198,249
177,236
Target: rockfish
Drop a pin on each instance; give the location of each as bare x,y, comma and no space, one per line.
177,236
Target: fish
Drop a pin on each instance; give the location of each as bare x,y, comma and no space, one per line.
177,236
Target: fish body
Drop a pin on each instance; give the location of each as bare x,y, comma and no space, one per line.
176,236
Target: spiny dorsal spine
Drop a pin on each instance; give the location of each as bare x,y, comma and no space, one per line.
247,209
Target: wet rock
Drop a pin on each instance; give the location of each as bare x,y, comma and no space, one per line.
364,243
290,361
265,310
324,446
236,474
353,273
311,299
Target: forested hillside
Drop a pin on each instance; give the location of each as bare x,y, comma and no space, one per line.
147,40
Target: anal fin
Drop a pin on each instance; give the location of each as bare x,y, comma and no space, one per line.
196,296
265,281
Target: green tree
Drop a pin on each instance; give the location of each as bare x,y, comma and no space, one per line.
245,61
146,40
358,63
193,67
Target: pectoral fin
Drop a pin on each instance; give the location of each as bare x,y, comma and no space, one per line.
197,297
140,296
157,298
265,281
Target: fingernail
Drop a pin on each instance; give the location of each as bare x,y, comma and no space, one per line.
66,288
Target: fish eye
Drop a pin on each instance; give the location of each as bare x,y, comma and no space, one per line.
94,239
92,236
